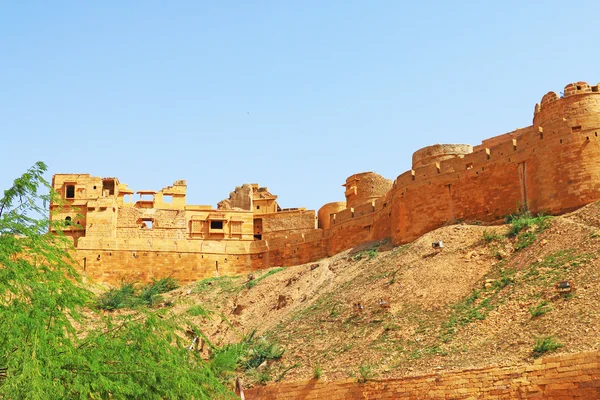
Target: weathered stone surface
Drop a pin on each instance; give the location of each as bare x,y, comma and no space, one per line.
546,379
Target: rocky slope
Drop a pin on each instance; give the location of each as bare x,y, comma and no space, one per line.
486,298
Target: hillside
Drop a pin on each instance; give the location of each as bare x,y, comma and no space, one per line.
484,299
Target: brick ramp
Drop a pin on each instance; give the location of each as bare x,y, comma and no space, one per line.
569,376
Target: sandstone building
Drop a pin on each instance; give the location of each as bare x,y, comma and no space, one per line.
552,166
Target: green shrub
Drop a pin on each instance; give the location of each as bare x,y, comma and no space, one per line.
520,222
128,296
260,351
525,226
365,372
116,298
545,345
164,285
317,371
491,236
199,311
368,254
540,309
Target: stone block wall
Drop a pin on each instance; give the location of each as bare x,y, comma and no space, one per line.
564,377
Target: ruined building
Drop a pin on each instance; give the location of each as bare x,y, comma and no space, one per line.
552,166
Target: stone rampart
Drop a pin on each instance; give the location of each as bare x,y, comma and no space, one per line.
552,166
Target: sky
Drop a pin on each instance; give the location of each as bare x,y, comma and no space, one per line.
293,95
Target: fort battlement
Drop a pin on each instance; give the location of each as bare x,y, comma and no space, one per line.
552,166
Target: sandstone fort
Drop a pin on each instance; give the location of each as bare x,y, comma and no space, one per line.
552,166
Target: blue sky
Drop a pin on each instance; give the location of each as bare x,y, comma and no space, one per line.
294,95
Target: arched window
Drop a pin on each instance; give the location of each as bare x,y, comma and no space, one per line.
68,220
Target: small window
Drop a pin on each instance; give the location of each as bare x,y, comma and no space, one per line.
68,221
470,166
216,224
147,224
575,129
70,192
258,207
167,198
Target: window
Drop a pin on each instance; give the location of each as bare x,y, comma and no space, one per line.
216,224
236,227
196,226
258,207
70,192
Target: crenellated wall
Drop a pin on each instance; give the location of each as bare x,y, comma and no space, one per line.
552,166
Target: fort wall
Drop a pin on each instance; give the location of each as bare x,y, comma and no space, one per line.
552,166
571,376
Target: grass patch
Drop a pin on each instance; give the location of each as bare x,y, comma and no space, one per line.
224,283
365,373
545,345
251,356
199,311
556,266
254,282
368,254
130,295
524,227
115,298
317,371
540,309
489,236
150,294
476,306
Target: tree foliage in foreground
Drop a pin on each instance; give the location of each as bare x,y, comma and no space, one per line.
51,350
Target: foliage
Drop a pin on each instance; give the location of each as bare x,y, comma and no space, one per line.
251,356
556,266
254,282
540,309
365,373
368,254
129,296
224,283
317,371
115,298
477,305
51,349
199,311
525,226
491,236
545,344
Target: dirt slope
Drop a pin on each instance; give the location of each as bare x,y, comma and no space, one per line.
477,302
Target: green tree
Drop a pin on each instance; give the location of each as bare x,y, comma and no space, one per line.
52,343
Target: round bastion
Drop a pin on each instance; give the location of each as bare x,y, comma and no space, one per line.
325,212
439,152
